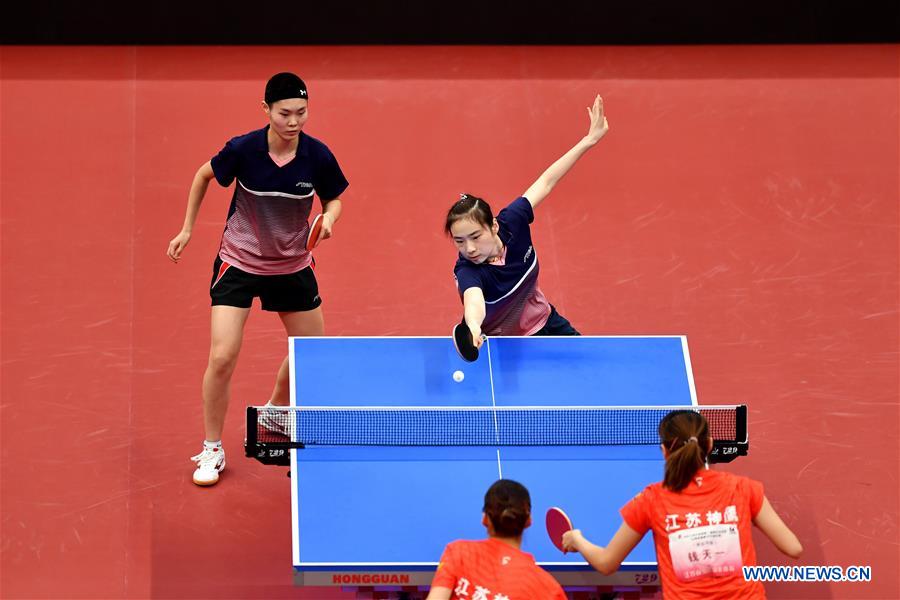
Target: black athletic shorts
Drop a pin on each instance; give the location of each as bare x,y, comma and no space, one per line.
278,293
557,325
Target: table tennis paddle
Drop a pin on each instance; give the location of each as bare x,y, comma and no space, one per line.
462,341
557,524
314,232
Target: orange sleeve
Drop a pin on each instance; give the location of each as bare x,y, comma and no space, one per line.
448,569
636,513
549,586
755,496
557,591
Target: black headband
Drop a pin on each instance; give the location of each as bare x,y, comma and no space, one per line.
283,86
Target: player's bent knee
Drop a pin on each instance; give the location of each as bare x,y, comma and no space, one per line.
222,364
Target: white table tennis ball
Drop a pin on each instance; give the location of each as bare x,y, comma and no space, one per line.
458,376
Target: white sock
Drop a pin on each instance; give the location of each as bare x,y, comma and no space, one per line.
212,445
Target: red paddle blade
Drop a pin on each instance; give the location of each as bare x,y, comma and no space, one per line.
462,341
557,524
314,232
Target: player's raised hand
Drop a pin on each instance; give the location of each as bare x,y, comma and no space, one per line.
599,126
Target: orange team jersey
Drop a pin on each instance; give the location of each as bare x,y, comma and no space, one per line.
493,570
702,534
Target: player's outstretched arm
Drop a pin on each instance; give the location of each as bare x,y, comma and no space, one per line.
549,178
606,560
771,524
473,313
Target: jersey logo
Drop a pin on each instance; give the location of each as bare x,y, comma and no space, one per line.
506,560
305,184
528,254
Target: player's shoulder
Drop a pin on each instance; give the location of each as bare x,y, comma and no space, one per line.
651,490
465,266
725,477
464,543
465,547
477,544
649,496
741,482
315,146
520,204
248,141
519,209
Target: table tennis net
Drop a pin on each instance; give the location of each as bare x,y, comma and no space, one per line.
300,427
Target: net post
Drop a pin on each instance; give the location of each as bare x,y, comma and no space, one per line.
250,442
740,424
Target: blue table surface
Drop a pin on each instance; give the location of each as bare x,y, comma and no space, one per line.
398,507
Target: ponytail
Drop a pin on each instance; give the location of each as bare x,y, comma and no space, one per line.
685,435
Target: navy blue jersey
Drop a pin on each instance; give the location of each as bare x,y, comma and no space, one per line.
514,303
268,220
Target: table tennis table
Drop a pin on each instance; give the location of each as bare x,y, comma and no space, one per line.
378,517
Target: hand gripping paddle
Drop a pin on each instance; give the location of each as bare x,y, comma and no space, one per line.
557,524
465,346
314,232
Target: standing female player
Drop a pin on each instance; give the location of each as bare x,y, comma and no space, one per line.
279,169
496,567
701,521
497,269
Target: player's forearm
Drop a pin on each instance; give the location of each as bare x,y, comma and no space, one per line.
195,199
557,170
474,313
333,209
596,557
549,178
770,523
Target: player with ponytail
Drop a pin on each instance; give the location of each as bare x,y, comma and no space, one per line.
701,520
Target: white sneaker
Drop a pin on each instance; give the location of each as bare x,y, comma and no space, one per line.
209,463
274,419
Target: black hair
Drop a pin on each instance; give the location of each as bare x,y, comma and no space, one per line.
469,207
508,506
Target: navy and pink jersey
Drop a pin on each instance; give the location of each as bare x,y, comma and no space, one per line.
514,303
268,221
